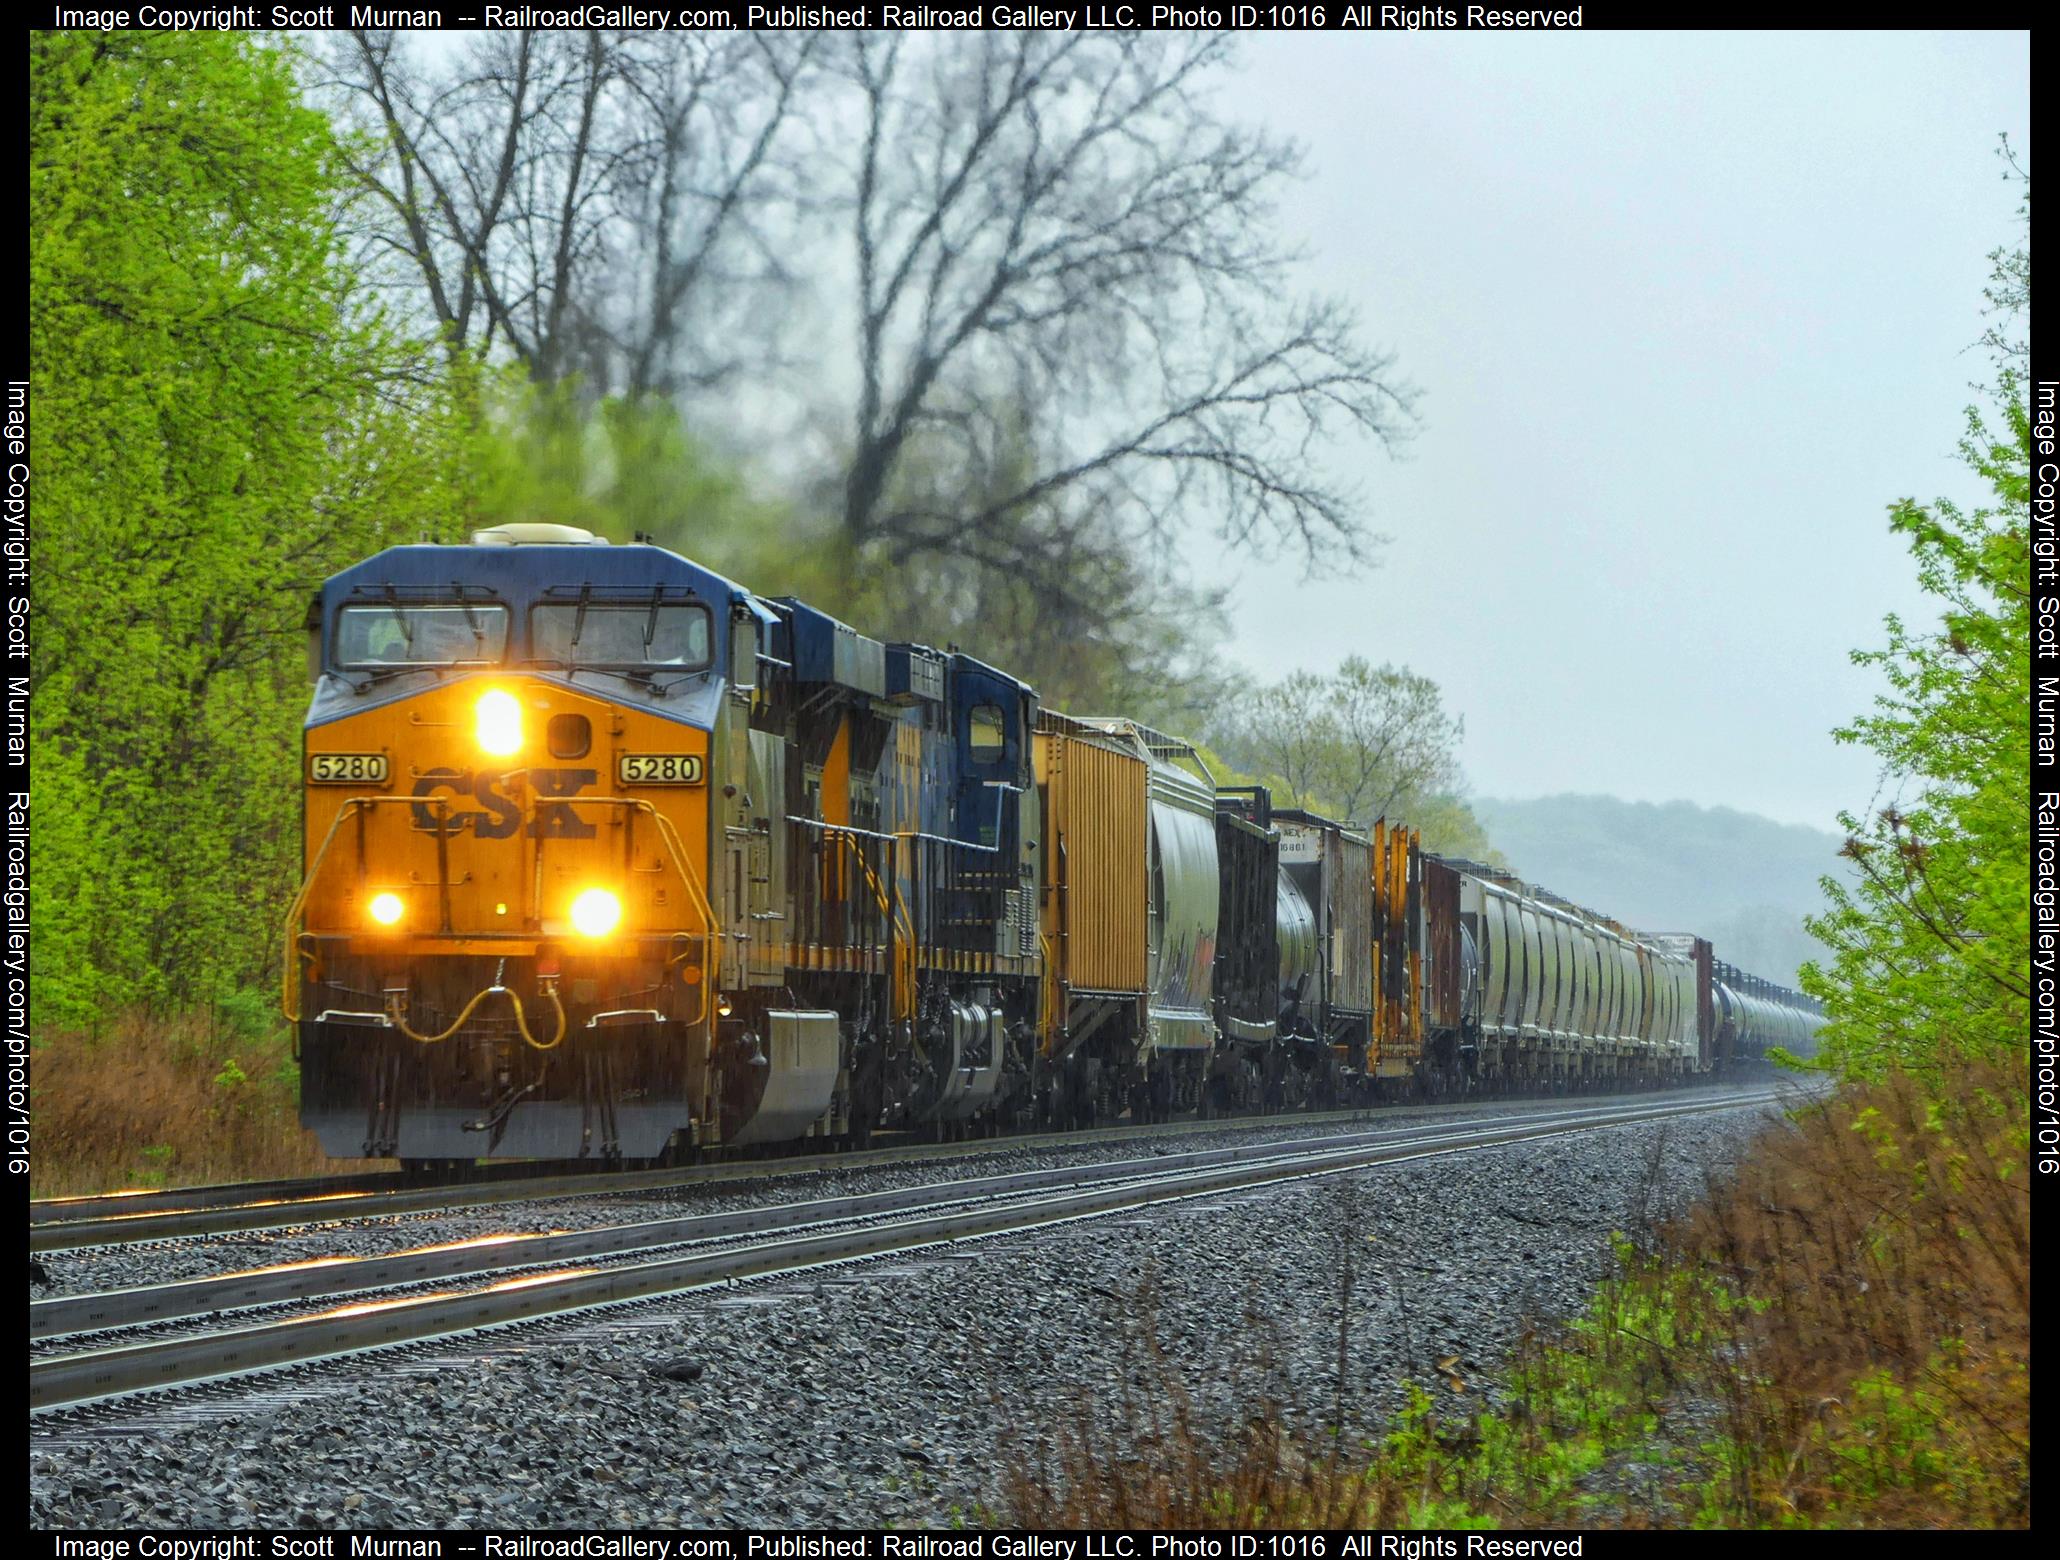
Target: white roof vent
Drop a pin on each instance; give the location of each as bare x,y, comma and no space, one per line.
536,533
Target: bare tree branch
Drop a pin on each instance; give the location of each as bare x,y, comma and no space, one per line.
1062,222
568,198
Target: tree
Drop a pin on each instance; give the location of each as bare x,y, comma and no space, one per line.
1051,326
222,421
1061,221
1369,740
587,202
1397,744
1286,731
1925,948
1056,592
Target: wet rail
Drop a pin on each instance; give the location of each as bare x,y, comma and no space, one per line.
668,1256
69,1224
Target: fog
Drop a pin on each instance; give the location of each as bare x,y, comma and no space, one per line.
1688,312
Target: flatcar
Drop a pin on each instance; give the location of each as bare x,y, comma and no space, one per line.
606,856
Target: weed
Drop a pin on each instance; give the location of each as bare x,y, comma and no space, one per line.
208,1094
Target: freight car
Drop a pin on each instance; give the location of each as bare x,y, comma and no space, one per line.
606,856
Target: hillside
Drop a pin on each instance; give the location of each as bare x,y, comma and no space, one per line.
1743,881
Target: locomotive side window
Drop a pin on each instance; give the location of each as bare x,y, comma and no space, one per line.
617,634
986,736
421,635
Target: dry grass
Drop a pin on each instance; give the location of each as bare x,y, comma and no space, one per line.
1885,1240
1837,1337
201,1096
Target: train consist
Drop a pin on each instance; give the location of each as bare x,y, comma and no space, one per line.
608,857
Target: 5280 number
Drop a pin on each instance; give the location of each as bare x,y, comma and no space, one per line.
659,768
347,768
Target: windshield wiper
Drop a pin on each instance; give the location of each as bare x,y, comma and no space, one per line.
471,622
393,602
662,690
579,619
362,677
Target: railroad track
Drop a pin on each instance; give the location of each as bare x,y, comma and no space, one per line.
111,1218
529,1277
69,1223
122,1217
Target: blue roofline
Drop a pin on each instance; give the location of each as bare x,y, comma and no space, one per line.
528,570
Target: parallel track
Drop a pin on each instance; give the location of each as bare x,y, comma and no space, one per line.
120,1218
778,1239
112,1218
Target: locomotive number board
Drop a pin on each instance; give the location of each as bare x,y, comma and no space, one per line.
347,768
659,768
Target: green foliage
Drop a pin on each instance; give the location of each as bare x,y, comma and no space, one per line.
1926,947
618,468
225,419
1608,1396
1363,743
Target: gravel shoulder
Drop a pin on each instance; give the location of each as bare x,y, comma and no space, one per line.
898,1392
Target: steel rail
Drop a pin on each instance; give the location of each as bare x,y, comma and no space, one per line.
110,1217
120,1218
334,1277
229,1194
66,1379
335,1207
107,1218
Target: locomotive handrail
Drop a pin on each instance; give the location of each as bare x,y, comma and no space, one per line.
666,832
289,966
903,952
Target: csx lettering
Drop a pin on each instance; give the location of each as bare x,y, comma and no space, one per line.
498,817
559,820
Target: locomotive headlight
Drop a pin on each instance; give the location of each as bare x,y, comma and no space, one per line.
596,912
498,723
387,909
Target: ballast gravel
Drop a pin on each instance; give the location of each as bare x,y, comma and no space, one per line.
907,1391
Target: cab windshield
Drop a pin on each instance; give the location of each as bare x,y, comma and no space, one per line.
421,634
620,634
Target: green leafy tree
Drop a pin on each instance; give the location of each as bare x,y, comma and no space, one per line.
1363,743
1926,947
222,419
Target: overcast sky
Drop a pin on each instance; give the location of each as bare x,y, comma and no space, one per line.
1687,311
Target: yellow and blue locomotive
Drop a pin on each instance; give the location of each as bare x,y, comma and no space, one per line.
607,856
